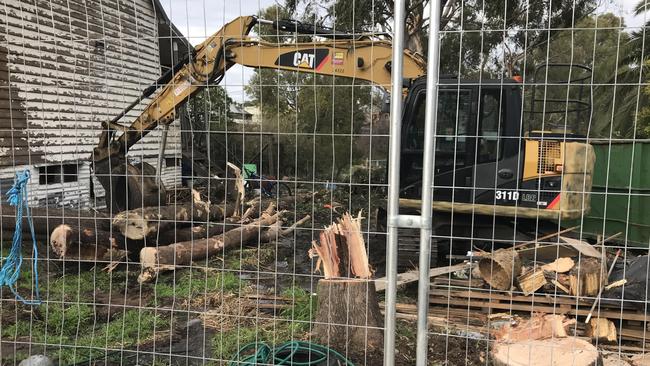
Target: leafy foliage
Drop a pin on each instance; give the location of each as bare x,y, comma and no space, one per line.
321,116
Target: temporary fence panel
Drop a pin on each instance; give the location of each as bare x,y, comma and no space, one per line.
336,182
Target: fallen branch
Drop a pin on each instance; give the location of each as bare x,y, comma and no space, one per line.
412,276
167,257
46,219
276,231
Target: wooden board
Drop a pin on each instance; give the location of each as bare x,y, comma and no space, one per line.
412,276
550,305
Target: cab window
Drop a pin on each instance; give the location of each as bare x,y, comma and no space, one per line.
452,124
489,142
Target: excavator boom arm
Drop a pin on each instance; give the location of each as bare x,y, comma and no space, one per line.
362,58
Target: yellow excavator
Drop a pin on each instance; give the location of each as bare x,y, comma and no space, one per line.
487,166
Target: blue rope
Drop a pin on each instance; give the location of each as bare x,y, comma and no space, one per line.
10,271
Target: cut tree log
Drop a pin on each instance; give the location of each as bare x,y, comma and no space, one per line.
546,352
532,281
587,277
193,232
500,268
155,259
139,223
348,317
71,242
601,329
538,326
45,219
87,245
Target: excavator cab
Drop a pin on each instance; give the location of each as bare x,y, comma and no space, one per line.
477,145
502,172
486,162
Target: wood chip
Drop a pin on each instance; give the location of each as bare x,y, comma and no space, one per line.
601,329
532,281
560,265
618,283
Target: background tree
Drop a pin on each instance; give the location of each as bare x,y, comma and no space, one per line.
634,69
495,34
321,116
596,42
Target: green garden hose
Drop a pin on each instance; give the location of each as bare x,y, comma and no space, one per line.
292,353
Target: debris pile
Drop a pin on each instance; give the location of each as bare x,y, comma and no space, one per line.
566,295
163,237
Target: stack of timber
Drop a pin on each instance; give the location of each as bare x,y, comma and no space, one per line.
597,296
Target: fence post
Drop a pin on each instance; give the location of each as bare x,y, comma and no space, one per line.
430,122
393,180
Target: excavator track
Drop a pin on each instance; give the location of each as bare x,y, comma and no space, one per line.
408,246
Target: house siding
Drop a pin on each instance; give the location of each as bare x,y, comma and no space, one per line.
65,67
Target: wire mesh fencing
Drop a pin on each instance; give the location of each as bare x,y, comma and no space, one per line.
349,182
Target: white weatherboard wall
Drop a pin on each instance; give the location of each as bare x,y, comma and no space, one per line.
66,66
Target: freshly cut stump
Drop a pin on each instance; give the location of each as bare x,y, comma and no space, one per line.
546,352
348,318
500,268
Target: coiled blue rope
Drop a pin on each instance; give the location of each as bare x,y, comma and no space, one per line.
10,271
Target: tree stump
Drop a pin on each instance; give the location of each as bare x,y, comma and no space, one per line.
348,317
546,352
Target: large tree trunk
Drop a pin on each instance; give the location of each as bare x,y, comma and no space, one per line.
88,244
139,223
193,233
348,318
45,219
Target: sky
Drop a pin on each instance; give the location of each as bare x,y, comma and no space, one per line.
197,19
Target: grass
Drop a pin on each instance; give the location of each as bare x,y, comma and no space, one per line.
74,330
67,322
80,335
190,283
